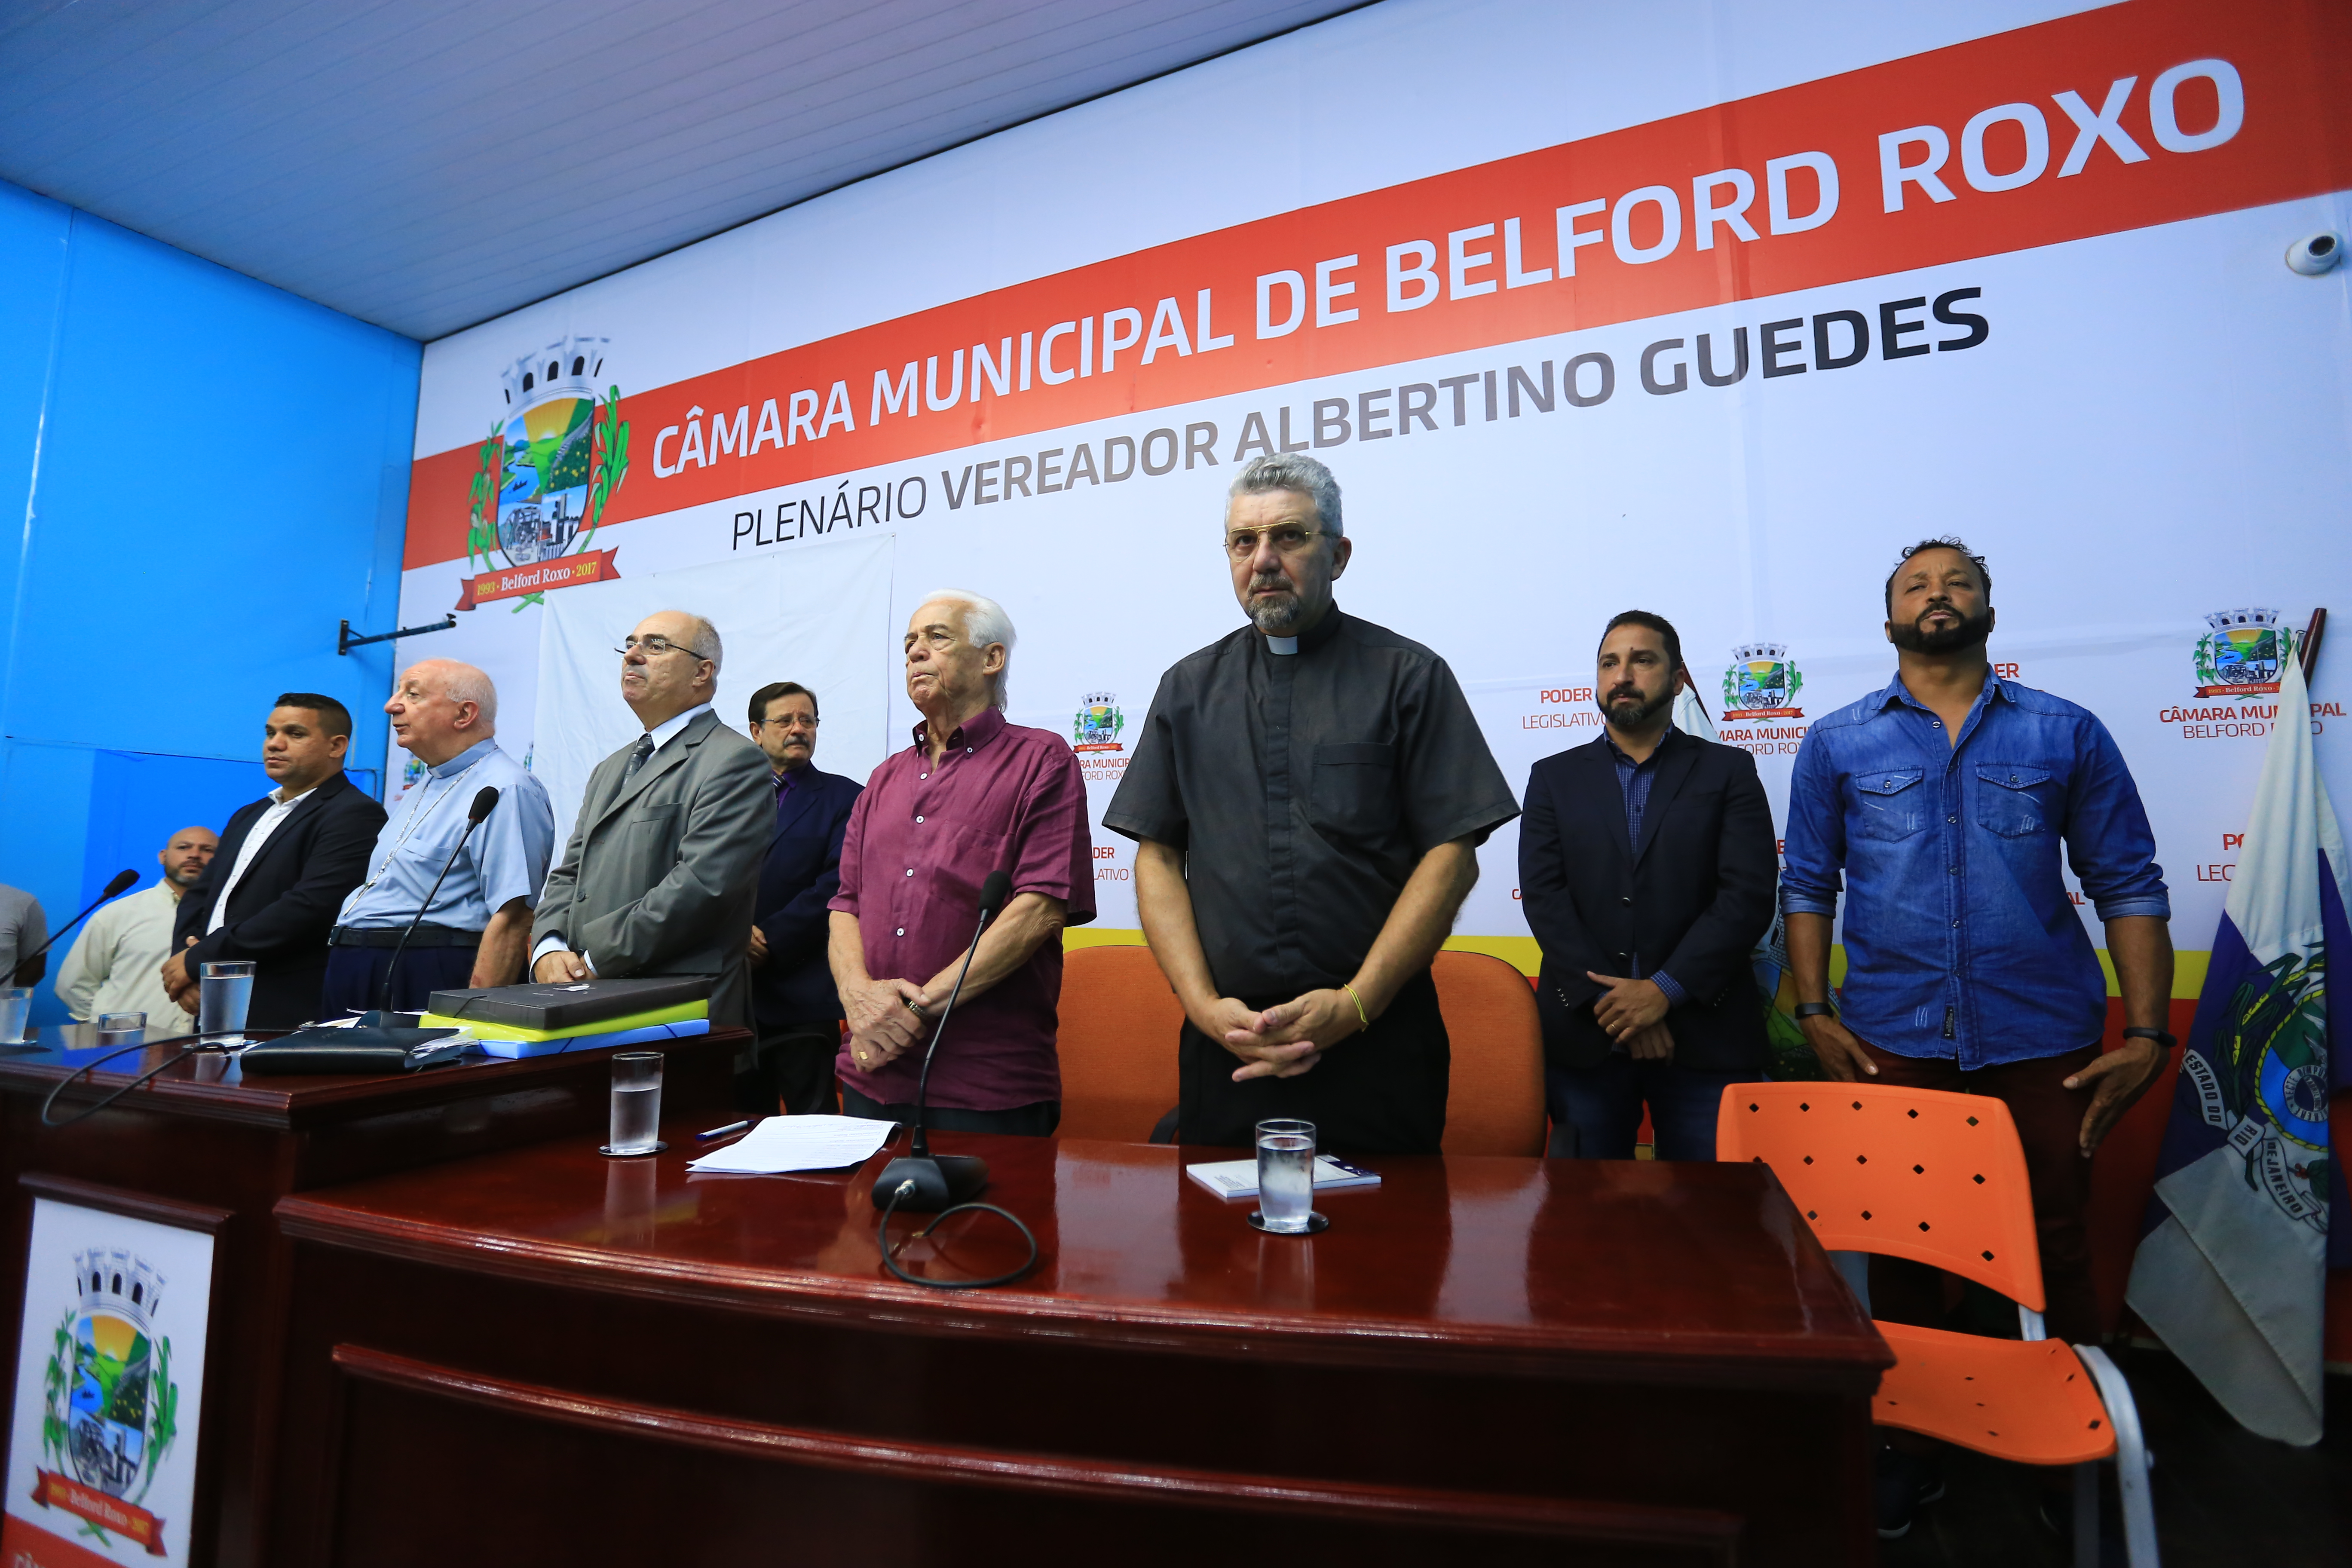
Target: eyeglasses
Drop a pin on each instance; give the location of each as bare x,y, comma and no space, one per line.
653,647
791,721
1290,540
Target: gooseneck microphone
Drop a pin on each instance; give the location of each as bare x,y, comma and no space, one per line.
941,1181
120,881
485,800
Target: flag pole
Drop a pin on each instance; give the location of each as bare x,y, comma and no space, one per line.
2312,635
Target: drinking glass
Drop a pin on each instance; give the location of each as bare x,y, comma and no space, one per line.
1286,1175
224,996
121,1029
16,1002
637,1103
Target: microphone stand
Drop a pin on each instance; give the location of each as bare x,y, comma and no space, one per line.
473,819
939,1181
122,880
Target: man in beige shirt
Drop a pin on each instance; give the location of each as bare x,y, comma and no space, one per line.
116,965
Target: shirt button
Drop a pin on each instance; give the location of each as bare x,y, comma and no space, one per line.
919,819
902,930
1951,819
927,775
967,751
1951,871
911,870
1625,900
1955,925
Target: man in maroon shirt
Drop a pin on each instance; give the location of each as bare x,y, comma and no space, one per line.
973,794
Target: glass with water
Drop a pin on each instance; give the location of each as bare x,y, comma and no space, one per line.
121,1029
15,1006
224,996
1286,1175
637,1103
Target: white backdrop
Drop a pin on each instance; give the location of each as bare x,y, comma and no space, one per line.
819,615
2157,425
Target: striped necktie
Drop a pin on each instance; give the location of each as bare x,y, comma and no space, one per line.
638,755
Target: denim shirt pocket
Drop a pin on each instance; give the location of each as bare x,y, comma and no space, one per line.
2014,799
1889,802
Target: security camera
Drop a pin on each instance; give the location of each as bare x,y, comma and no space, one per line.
2316,253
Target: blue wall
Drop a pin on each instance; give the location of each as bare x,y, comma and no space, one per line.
200,475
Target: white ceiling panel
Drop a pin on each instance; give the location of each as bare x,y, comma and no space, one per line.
428,165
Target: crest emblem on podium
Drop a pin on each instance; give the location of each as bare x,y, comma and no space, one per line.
1097,725
1762,683
112,1406
2239,655
545,475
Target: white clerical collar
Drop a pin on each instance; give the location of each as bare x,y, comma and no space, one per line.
1282,644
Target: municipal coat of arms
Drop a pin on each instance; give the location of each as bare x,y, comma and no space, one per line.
2239,653
112,1413
545,475
2264,1080
1097,725
1762,683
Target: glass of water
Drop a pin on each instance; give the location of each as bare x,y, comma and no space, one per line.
224,996
15,1003
121,1029
1286,1175
637,1103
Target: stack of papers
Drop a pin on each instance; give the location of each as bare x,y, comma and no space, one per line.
1238,1178
783,1144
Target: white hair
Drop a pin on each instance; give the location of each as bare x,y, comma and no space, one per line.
984,622
461,682
704,643
1297,473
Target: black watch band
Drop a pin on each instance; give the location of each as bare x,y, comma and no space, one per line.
2161,1036
1815,1010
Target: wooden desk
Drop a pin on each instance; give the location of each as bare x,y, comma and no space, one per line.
546,1356
201,1145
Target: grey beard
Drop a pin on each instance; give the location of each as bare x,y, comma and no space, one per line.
1278,619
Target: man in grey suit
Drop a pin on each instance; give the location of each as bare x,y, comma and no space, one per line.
664,864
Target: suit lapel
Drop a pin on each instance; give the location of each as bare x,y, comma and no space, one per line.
806,789
1601,782
283,833
664,759
1678,755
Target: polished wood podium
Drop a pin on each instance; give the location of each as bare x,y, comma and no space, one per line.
203,1146
549,1356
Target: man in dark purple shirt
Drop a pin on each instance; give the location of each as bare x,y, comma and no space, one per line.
973,794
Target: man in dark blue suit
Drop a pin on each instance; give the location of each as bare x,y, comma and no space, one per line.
1646,868
793,996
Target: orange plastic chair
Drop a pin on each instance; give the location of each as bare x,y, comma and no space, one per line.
1941,1179
1117,1042
1495,1099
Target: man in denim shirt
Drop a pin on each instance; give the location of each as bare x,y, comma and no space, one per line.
1943,798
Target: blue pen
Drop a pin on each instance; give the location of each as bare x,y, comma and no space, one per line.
721,1132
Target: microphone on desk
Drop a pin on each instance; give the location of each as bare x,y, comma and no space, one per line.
120,881
485,800
941,1181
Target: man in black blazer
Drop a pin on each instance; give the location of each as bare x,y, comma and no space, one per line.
793,995
1647,868
283,868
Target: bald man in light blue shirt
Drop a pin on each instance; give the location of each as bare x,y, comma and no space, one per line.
478,921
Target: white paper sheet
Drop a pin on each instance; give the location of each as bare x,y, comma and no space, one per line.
783,1144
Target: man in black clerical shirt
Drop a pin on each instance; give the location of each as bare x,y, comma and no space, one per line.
1308,794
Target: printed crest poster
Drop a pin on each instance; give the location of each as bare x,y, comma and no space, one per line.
1589,309
110,1386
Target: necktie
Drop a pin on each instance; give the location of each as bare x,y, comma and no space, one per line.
638,755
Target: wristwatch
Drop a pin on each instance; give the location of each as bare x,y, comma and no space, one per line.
1815,1010
2161,1036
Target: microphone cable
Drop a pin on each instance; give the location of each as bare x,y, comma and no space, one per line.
890,1250
90,1067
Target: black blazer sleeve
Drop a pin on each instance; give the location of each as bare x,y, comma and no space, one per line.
1567,947
798,930
1713,952
196,905
303,915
